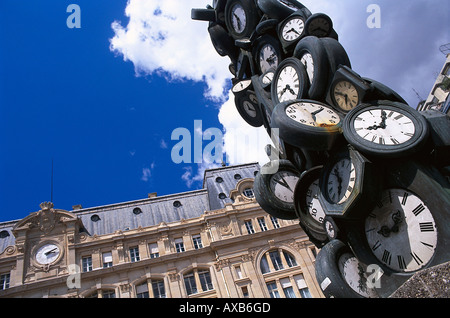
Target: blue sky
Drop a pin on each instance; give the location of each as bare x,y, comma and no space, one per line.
103,100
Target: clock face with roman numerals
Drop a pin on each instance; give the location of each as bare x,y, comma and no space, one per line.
401,231
384,128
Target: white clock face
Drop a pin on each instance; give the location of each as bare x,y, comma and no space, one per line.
384,127
346,95
401,231
268,77
308,62
283,185
312,114
242,85
293,29
47,254
312,202
341,181
267,58
355,275
288,85
238,18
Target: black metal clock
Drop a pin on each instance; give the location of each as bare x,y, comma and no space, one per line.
291,30
319,25
311,52
267,53
407,230
280,9
267,78
349,184
248,107
274,188
290,81
386,129
308,207
341,275
347,90
241,17
307,124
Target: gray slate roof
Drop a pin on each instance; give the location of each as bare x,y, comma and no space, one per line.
153,211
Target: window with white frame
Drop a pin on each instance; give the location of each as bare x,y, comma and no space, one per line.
134,254
158,289
302,287
154,251
249,227
275,223
262,224
179,245
205,280
275,260
4,281
197,275
238,271
273,290
86,263
108,294
189,283
287,287
248,192
197,240
142,290
107,259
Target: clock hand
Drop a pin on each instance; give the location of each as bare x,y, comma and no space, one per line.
397,218
382,125
383,120
271,58
283,183
313,114
293,30
237,20
50,252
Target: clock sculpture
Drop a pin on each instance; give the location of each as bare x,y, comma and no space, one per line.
366,175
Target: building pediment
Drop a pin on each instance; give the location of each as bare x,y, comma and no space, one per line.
45,219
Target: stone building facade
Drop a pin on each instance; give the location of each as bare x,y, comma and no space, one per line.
212,242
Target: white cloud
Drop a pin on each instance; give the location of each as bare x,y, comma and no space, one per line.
147,172
242,142
161,37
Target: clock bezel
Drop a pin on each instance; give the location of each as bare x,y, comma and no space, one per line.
264,194
317,16
345,73
303,81
310,225
365,190
305,136
413,145
38,246
424,181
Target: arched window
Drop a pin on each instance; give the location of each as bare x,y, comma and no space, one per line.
275,260
102,293
197,280
292,284
151,288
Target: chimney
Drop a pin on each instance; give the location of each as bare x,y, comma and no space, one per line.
77,207
152,195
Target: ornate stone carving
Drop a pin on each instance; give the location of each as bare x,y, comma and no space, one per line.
46,218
